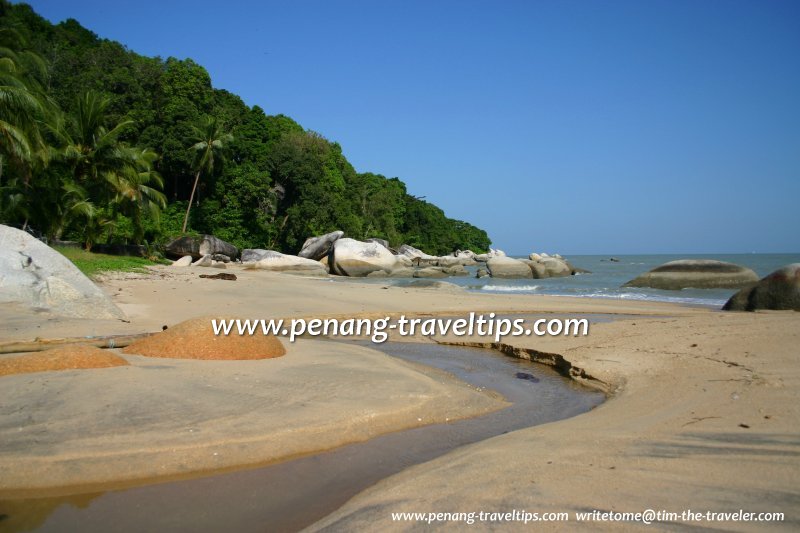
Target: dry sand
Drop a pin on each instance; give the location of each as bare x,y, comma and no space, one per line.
683,386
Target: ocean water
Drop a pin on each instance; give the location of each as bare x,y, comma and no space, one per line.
607,278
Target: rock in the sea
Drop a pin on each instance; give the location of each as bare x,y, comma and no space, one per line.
318,247
556,267
279,262
36,276
456,270
350,257
197,247
538,270
402,272
481,273
428,284
697,274
429,272
506,267
779,291
551,266
184,261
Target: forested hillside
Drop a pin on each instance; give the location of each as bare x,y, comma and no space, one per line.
100,144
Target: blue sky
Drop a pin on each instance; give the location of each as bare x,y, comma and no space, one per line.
595,126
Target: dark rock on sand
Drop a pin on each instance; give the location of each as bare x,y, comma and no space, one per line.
221,275
318,247
197,247
780,291
697,274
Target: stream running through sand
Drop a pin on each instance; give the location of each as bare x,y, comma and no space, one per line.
291,495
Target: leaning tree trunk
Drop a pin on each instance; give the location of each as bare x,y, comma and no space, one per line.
191,199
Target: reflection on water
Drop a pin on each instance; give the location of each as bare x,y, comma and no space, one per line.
290,495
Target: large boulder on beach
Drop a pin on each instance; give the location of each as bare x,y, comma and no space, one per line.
466,257
35,276
779,291
382,242
184,261
413,253
696,274
350,257
278,262
318,247
199,246
507,267
251,255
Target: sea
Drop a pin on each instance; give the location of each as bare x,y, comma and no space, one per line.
607,277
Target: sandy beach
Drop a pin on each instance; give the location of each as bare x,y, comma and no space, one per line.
702,409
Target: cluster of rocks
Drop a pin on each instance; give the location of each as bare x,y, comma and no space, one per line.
779,290
202,251
338,255
537,266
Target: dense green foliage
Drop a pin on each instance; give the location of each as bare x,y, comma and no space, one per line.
81,119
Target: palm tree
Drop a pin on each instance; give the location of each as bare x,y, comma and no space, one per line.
111,173
95,152
209,139
23,108
134,193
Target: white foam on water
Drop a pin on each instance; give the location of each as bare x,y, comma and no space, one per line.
656,298
510,288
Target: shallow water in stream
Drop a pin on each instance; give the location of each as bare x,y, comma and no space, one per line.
291,495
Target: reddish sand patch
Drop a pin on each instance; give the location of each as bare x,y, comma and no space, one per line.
72,357
195,339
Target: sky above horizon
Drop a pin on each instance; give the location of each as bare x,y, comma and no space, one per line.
573,127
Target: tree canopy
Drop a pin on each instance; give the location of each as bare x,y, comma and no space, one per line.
100,144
